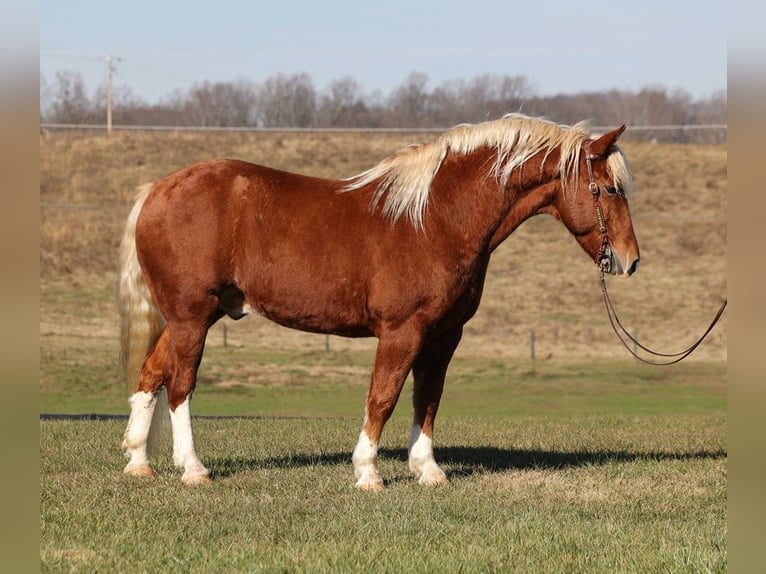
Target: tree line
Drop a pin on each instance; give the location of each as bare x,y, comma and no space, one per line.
293,100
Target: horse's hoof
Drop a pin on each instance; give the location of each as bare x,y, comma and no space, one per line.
139,470
369,479
434,479
195,479
375,486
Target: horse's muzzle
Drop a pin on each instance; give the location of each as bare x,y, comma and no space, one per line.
611,263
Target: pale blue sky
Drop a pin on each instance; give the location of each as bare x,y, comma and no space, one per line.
561,47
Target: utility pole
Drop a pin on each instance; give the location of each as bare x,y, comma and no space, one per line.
109,92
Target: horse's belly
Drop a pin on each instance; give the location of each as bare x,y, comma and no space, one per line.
312,311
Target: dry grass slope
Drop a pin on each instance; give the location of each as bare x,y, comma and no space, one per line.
538,279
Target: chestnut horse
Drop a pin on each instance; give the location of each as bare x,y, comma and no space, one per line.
399,252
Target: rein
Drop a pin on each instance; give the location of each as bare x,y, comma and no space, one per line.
624,336
604,262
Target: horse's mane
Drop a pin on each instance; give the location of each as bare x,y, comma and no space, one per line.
404,179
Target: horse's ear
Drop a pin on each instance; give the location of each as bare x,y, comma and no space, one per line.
602,144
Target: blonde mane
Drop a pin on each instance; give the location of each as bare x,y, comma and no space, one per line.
404,179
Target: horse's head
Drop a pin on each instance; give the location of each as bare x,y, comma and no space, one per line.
595,209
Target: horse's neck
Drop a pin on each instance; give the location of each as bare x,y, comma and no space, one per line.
524,204
482,212
466,199
532,189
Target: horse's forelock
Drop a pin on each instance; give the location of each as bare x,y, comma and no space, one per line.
618,167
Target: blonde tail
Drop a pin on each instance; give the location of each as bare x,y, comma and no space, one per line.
141,322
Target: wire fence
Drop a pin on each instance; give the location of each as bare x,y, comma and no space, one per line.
677,133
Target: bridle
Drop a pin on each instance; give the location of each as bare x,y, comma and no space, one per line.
603,259
604,255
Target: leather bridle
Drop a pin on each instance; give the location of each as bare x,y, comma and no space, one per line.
603,259
604,255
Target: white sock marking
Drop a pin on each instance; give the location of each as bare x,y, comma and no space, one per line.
184,454
421,458
137,433
365,463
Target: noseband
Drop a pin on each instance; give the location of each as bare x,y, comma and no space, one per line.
604,255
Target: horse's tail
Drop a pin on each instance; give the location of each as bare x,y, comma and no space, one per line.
141,322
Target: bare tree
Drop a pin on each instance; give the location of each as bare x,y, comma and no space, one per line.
291,101
46,98
455,101
343,105
287,101
409,103
124,103
711,111
70,103
446,105
489,96
223,104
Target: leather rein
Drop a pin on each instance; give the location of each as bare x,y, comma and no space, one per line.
604,261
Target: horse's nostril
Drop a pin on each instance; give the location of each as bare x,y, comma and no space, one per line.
633,267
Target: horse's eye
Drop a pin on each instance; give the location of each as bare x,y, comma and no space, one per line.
610,190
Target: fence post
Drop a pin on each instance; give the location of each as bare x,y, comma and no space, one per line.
225,334
635,348
532,348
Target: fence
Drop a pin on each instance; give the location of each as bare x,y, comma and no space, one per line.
677,133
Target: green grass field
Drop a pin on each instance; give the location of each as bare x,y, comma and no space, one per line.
592,493
590,466
597,465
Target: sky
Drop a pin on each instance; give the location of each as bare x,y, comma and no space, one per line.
560,47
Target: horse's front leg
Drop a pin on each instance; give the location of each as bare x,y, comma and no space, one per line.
429,369
393,361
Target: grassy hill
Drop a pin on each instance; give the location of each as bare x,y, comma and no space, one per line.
538,279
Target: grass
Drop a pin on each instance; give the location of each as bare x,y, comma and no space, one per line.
474,388
582,494
80,373
268,370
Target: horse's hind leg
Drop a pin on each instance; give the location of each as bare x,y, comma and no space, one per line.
143,403
429,370
187,342
137,434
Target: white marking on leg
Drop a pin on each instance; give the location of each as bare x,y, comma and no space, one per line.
365,464
184,455
421,459
137,433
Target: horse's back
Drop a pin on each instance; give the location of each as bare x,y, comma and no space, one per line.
213,200
282,239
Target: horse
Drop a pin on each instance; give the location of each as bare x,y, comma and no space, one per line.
398,252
